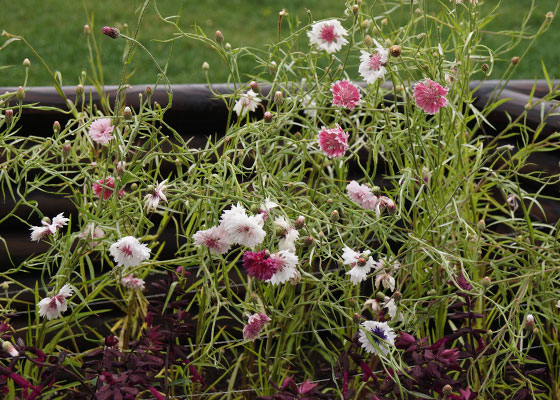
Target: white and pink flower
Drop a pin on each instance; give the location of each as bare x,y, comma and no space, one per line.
430,96
53,307
255,325
129,252
287,267
362,195
39,232
247,102
328,35
241,228
372,65
361,264
131,282
151,200
216,239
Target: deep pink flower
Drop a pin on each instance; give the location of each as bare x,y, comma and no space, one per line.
106,192
260,265
430,96
100,131
345,94
254,325
334,141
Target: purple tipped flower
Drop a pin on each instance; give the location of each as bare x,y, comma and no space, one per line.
112,32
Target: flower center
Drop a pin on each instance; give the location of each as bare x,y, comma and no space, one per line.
126,250
327,33
375,62
379,335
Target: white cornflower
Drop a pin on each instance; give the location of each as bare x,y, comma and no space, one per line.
241,228
360,265
39,232
384,270
380,333
391,307
289,234
328,35
129,252
247,102
372,65
131,282
53,307
58,222
152,200
288,267
216,239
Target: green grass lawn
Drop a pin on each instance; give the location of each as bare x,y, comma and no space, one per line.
55,29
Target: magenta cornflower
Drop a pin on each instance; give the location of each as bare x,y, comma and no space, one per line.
100,131
430,96
260,265
334,141
345,95
254,326
104,187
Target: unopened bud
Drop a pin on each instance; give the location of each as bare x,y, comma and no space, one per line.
397,296
253,297
368,41
357,318
56,127
278,97
79,90
355,9
219,37
148,90
384,21
300,222
485,68
447,389
205,66
529,322
481,225
127,113
365,24
66,148
228,46
272,67
321,235
380,296
20,94
254,86
121,166
486,281
308,240
376,190
362,261
515,60
87,30
296,278
5,285
335,216
268,117
8,116
395,50
134,186
283,13
26,63
112,32
549,16
9,348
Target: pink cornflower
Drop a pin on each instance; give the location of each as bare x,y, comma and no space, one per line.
260,264
334,141
430,96
100,131
345,94
328,35
362,195
100,190
254,326
216,239
131,282
53,307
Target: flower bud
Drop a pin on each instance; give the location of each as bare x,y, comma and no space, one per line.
549,16
205,66
8,116
5,285
112,32
355,9
87,30
20,94
384,21
283,13
120,168
56,127
294,280
26,63
368,41
254,86
308,240
486,281
300,222
485,68
219,36
278,97
515,60
481,225
9,348
66,148
397,296
395,50
376,190
335,216
134,186
127,113
365,24
447,389
268,117
529,322
79,90
380,296
272,67
362,261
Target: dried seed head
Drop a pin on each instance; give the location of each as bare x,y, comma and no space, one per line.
515,60
395,50
111,31
219,37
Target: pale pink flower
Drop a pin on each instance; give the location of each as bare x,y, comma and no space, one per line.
131,282
129,252
430,96
151,200
287,263
91,234
39,232
254,326
334,141
379,333
345,94
100,131
53,307
105,187
247,102
372,65
362,195
328,35
216,239
241,228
